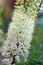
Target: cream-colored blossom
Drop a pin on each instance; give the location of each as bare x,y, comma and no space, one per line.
20,33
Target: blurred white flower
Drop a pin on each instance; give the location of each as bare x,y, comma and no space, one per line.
17,59
20,33
6,61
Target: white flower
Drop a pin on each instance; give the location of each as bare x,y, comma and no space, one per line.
17,59
20,32
6,61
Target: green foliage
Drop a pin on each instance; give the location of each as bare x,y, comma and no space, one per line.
36,52
1,63
4,36
21,63
1,18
